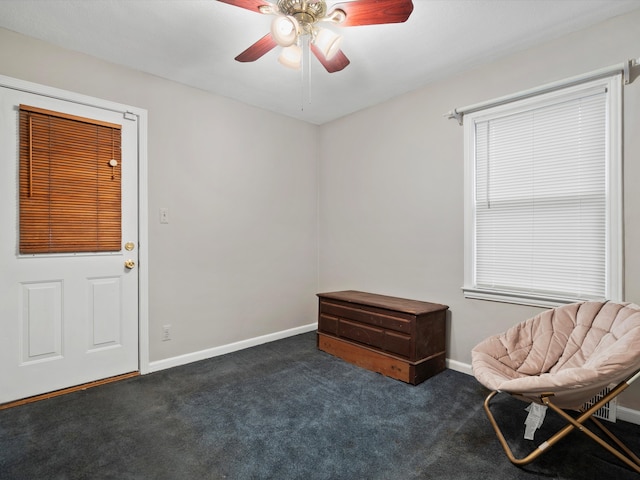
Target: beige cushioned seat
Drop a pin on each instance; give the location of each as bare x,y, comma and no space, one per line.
573,351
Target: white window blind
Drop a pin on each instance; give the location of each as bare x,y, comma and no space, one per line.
541,200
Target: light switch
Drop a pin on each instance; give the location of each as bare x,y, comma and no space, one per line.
164,215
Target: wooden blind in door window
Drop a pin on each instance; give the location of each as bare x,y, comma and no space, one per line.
70,183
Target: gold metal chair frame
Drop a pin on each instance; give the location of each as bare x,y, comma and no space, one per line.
628,457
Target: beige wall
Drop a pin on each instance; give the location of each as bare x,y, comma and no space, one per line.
238,259
391,183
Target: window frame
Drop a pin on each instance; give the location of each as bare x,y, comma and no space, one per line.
614,193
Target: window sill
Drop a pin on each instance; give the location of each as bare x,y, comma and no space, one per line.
519,298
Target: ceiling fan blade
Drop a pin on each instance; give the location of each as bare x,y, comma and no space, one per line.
253,5
373,12
258,49
338,62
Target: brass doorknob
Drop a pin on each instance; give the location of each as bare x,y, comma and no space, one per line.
129,264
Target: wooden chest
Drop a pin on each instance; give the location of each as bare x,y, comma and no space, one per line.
400,338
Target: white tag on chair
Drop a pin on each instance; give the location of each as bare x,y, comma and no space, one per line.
534,420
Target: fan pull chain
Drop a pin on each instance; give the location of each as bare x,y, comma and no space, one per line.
303,61
306,72
309,72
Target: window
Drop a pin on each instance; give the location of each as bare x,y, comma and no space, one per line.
543,194
70,189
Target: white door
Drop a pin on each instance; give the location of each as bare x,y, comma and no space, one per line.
65,319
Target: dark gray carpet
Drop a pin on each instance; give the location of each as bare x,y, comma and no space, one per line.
283,411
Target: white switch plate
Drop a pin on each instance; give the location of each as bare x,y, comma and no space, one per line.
166,333
164,215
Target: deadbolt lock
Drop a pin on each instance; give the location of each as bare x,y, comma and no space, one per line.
129,246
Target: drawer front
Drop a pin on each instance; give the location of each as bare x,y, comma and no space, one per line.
328,324
361,333
397,323
386,341
397,344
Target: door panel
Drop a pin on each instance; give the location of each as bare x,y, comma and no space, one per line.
41,321
66,319
105,312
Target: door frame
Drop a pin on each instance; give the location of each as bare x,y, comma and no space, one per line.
143,216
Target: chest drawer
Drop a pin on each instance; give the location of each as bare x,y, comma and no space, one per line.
371,336
375,317
383,340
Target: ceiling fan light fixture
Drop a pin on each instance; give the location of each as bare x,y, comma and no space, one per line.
267,9
336,16
284,30
291,57
328,42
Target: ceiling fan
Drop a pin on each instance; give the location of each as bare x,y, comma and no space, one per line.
295,20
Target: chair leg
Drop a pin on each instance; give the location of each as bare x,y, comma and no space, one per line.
572,423
578,424
615,439
540,449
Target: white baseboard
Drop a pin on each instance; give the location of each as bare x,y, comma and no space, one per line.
224,349
628,415
459,366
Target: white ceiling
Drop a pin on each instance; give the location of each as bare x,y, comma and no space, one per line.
195,41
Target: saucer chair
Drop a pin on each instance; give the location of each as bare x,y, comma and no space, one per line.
562,358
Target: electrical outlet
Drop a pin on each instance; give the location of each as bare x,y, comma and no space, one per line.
166,333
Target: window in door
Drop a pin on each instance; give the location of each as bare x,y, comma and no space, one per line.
70,184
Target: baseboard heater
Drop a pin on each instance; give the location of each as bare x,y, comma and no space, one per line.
608,410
